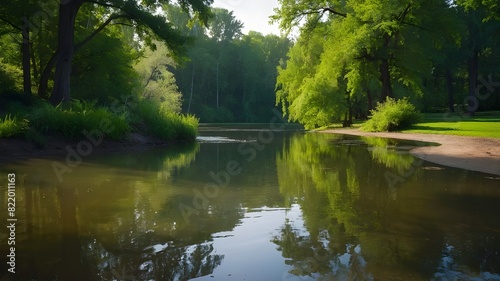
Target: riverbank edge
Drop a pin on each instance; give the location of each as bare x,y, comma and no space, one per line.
18,149
471,153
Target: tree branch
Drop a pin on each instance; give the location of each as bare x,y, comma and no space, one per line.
11,24
332,11
321,12
403,14
414,25
124,24
103,4
99,29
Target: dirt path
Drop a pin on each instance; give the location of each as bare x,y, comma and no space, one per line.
471,153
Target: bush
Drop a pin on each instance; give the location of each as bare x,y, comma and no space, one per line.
392,115
11,78
166,125
11,126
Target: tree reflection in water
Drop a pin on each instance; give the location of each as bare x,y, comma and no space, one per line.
357,230
115,224
118,217
317,259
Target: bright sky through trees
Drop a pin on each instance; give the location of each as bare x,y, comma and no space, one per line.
253,13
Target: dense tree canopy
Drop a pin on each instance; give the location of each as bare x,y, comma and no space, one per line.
187,57
230,76
350,54
78,23
340,57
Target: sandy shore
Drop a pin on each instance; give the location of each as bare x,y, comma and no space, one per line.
471,153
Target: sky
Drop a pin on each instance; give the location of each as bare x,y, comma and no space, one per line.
253,13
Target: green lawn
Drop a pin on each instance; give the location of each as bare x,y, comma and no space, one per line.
482,124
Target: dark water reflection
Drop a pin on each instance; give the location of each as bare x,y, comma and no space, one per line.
243,205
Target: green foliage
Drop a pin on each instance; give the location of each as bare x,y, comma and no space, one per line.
12,126
102,69
230,77
392,115
157,82
10,78
81,117
382,151
350,54
17,103
166,125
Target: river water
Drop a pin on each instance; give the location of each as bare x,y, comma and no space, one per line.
253,203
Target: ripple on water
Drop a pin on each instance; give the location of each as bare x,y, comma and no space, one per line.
218,139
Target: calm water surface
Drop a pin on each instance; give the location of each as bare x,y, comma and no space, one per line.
248,204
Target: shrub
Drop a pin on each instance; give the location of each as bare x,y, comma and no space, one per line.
11,126
392,115
166,125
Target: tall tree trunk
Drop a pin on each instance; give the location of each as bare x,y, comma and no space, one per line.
385,78
44,77
192,89
218,62
472,102
34,65
348,114
369,99
449,86
65,51
25,50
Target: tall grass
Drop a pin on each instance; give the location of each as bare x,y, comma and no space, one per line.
166,125
77,119
12,126
37,119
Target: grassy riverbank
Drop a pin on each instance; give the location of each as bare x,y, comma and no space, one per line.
482,124
35,120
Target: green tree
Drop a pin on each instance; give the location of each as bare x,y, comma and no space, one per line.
157,82
363,47
491,6
223,28
16,16
147,24
103,69
229,76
